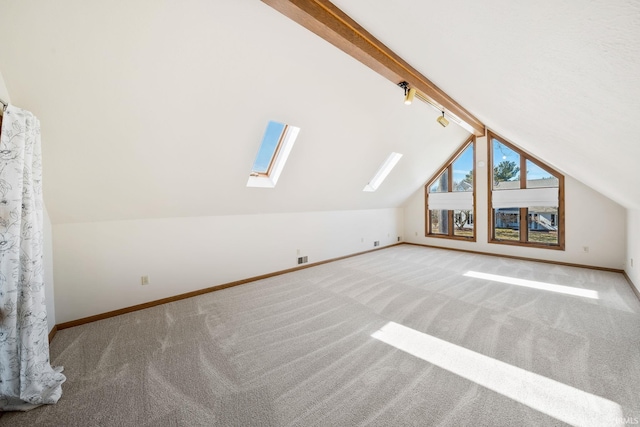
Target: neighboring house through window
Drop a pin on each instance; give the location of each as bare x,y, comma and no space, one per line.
526,198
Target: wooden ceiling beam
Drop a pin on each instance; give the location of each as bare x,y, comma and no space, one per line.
329,22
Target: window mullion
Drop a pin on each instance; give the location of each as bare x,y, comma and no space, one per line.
524,212
524,225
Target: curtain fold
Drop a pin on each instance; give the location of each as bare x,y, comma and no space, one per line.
27,379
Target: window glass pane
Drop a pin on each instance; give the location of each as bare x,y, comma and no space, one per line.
268,147
537,177
439,221
506,167
543,225
463,223
463,170
507,224
441,184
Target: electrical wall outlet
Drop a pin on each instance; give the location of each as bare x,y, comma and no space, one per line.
144,280
399,238
376,243
303,260
631,262
585,249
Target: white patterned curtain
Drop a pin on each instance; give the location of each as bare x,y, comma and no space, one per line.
27,380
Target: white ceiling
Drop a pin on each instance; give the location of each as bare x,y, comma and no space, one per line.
156,109
560,78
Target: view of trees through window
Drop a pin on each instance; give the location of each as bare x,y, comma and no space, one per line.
523,223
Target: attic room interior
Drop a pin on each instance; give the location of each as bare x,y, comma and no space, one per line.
313,212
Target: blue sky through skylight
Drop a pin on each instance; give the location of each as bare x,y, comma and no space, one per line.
268,147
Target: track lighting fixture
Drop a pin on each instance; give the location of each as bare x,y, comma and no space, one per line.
409,93
408,99
444,122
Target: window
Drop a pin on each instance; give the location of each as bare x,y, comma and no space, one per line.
276,145
450,197
382,172
526,198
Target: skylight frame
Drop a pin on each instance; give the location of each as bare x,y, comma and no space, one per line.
383,171
280,155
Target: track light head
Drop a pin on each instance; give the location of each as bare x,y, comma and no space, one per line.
443,121
409,94
408,99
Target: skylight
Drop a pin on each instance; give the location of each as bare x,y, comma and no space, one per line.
276,145
382,172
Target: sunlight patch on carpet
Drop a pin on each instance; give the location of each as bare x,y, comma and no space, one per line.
548,396
568,290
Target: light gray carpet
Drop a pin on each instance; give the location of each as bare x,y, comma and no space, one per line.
325,347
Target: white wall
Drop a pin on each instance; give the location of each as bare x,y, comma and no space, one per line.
633,246
4,93
590,220
99,265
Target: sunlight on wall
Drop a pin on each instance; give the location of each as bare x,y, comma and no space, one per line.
548,396
586,293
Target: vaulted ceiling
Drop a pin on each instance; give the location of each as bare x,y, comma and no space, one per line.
156,109
561,78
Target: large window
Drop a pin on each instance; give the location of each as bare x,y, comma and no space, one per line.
526,198
450,197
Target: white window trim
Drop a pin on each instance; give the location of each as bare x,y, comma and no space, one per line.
384,170
270,181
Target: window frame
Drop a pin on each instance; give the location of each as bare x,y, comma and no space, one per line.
383,171
448,166
283,148
523,212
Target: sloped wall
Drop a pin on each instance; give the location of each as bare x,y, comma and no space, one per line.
591,220
99,265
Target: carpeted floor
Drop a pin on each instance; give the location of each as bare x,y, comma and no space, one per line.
405,336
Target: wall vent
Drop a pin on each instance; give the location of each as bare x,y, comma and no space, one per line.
302,259
376,243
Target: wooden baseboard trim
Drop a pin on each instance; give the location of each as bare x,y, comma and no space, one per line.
566,264
52,333
179,297
633,286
